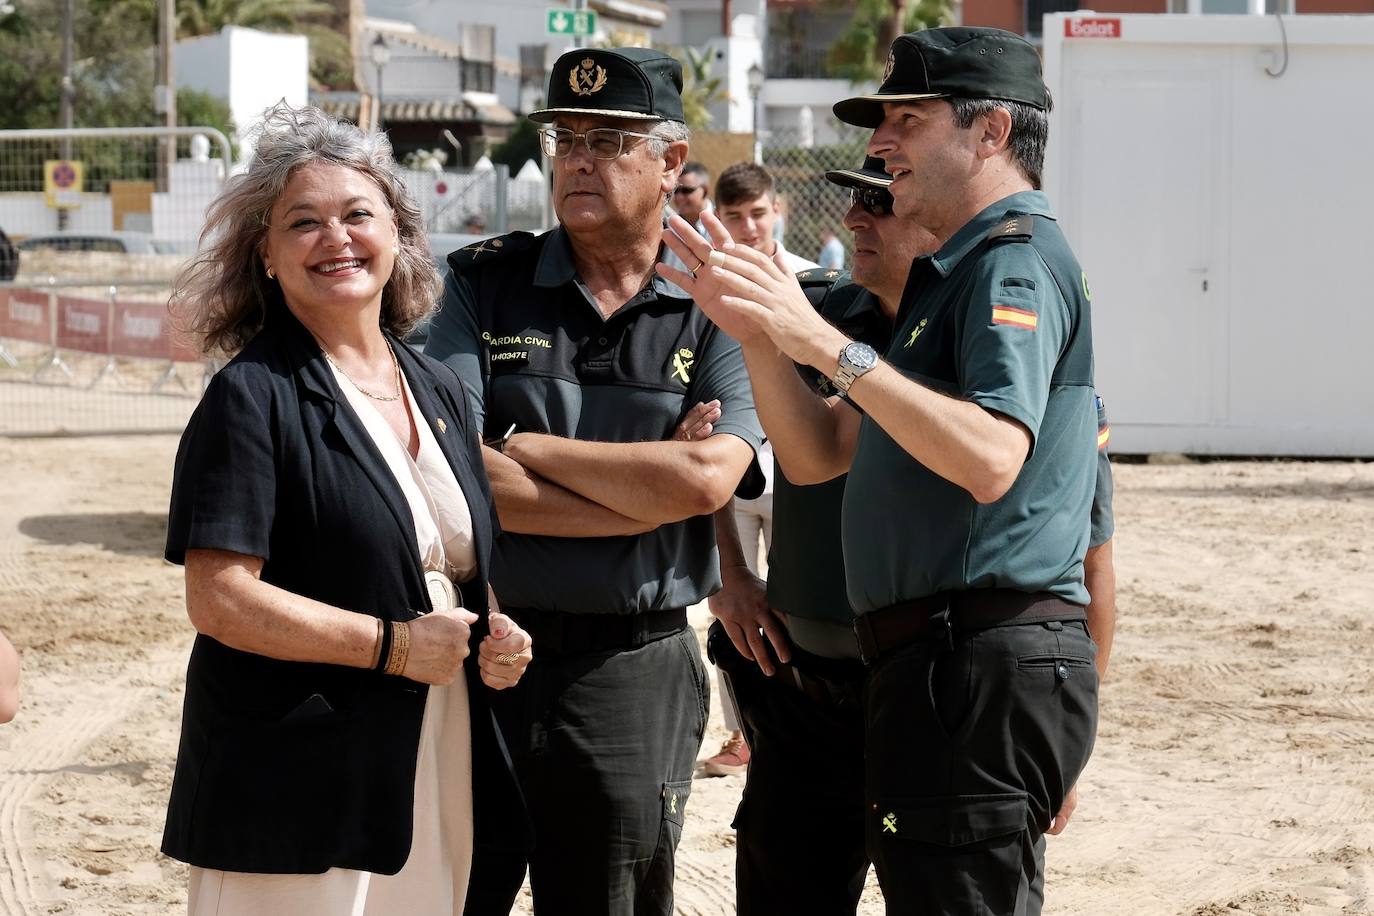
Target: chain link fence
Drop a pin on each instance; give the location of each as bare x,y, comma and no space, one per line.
485,200
101,221
811,204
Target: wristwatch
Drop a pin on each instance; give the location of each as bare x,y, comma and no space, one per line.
856,359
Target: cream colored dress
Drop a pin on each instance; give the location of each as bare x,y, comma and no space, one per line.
434,880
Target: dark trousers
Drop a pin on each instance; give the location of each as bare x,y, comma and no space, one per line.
604,744
971,741
799,830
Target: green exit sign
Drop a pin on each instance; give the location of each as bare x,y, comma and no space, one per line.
571,22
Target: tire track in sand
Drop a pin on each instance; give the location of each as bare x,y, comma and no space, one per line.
80,711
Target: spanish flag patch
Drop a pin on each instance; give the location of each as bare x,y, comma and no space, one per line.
1019,318
1103,436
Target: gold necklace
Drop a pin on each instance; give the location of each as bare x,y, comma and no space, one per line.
395,367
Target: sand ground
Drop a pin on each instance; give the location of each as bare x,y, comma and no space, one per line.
1234,772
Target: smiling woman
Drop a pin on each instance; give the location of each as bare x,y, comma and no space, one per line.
331,511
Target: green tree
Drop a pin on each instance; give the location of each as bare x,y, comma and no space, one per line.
112,72
699,88
208,17
331,57
860,53
202,109
519,148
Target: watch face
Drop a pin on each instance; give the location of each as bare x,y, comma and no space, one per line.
861,356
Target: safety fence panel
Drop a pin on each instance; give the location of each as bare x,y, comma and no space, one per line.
82,360
25,317
103,220
478,201
811,204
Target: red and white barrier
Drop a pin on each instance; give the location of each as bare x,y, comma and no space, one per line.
110,327
26,317
83,325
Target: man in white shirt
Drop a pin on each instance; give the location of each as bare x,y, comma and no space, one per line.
747,203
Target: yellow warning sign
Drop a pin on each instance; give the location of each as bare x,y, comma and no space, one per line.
62,182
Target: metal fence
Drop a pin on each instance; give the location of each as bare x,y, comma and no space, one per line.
103,219
811,204
450,200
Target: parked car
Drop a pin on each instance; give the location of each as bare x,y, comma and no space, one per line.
116,242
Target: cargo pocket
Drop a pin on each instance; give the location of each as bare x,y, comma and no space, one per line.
655,892
966,854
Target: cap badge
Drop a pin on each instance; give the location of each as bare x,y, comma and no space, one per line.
887,69
587,78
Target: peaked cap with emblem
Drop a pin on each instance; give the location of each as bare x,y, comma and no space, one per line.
871,174
636,83
953,63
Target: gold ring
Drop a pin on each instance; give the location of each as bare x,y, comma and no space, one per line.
716,258
508,658
694,270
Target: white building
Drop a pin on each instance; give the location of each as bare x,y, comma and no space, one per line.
252,70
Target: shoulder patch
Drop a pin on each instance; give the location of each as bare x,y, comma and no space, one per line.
1020,228
489,249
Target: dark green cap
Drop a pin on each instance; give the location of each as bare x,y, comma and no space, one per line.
959,63
615,82
871,175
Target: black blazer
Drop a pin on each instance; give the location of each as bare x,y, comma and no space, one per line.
275,464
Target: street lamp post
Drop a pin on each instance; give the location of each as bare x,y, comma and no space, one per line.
756,77
379,53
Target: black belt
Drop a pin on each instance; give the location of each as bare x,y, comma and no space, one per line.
556,633
941,614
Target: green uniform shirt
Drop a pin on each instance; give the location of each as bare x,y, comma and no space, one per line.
998,316
532,349
1103,521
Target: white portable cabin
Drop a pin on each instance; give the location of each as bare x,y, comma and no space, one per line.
1215,176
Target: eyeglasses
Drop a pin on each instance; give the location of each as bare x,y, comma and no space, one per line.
602,142
874,201
688,189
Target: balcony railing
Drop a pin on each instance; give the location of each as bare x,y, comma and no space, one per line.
790,63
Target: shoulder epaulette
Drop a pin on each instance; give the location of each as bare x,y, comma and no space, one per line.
821,276
1013,227
487,249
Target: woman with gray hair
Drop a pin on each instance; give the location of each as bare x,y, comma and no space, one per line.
331,510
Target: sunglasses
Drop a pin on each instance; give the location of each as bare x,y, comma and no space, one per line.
687,189
874,201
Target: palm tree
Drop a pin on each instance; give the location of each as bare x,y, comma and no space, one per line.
860,53
699,88
207,17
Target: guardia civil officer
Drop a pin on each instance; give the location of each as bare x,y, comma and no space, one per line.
971,474
581,362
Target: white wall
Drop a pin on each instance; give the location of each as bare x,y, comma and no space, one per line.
25,214
783,100
1221,215
252,70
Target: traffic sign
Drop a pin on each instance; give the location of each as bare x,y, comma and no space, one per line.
62,182
570,22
